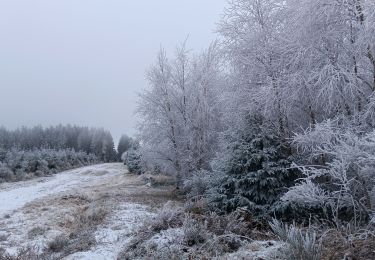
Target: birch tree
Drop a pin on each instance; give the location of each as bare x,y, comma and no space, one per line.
178,112
253,44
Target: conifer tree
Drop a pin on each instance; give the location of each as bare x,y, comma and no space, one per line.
257,170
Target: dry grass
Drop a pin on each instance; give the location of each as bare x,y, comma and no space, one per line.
58,244
75,217
155,198
81,224
36,231
337,245
198,236
158,180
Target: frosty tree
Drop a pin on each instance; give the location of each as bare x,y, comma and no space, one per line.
179,114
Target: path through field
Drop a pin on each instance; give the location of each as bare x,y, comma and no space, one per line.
95,209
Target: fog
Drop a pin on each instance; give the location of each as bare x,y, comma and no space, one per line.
83,62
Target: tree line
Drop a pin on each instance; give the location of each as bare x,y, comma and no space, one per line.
28,152
96,141
276,116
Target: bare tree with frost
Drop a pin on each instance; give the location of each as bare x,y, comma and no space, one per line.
179,116
253,43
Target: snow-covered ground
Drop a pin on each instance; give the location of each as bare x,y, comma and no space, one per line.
114,233
35,212
51,204
15,195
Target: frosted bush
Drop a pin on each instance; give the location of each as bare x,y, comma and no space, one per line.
302,244
168,217
200,183
5,172
345,179
194,232
306,193
132,158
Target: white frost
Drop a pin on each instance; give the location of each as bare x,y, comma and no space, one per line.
115,232
15,195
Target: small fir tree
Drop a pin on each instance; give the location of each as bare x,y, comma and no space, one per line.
257,170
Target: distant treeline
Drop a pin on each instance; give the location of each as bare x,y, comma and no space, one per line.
28,152
95,141
18,165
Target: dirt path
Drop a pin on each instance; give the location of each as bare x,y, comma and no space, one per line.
87,213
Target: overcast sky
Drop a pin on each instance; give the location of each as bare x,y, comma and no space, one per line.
83,61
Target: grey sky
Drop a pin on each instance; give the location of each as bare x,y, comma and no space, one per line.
82,62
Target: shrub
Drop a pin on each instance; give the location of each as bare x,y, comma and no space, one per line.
343,184
302,244
133,161
200,183
168,217
6,174
194,231
233,223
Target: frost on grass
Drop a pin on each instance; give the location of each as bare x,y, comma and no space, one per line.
174,233
114,232
301,244
63,205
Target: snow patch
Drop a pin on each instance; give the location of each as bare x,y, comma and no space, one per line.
115,232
